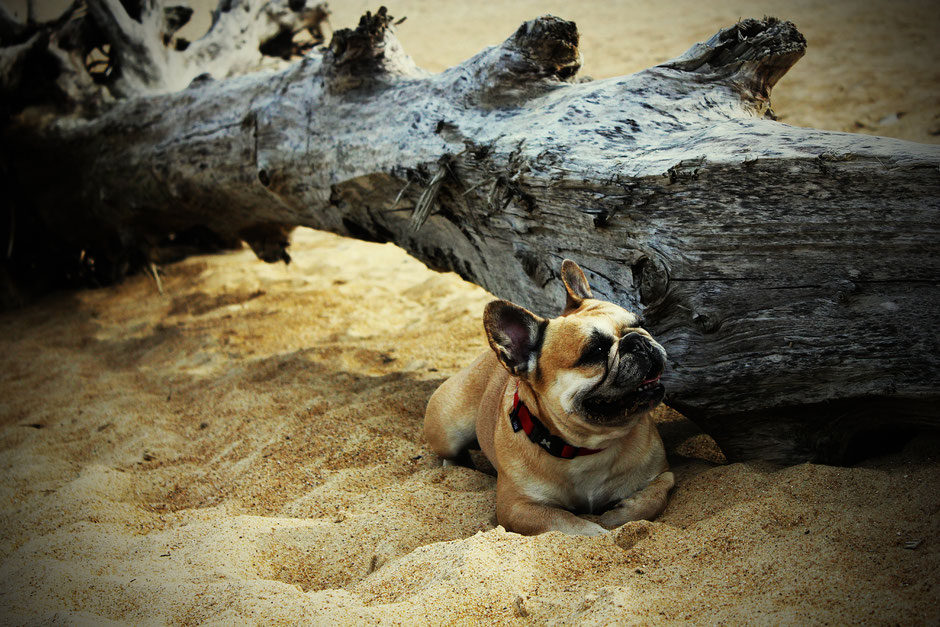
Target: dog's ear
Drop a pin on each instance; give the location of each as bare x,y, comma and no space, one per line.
515,334
576,284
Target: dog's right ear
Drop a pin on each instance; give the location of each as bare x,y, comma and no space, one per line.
515,335
576,284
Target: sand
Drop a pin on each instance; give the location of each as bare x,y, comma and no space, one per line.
247,447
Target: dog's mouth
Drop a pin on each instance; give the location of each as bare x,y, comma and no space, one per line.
647,395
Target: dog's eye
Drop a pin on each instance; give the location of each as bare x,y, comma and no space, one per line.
596,350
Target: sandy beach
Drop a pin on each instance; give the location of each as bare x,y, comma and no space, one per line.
246,448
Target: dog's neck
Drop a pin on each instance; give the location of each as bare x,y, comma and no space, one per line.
575,435
522,419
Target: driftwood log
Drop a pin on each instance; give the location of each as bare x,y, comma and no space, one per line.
792,274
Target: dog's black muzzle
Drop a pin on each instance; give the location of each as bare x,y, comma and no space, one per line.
634,387
640,360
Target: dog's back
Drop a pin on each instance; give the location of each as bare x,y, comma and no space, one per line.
455,408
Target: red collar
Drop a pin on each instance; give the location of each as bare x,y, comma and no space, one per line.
522,419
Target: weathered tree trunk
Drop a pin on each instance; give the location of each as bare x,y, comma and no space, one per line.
792,274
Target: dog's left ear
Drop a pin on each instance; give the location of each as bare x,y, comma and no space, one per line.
576,284
515,335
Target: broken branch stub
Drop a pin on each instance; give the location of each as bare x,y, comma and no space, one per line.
754,54
539,55
368,53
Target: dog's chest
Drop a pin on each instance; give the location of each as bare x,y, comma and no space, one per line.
584,487
592,492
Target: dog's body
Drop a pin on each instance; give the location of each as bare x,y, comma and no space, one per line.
590,377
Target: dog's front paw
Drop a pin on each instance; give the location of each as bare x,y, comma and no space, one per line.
590,529
595,530
646,504
627,510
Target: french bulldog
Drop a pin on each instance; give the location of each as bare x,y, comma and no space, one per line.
561,408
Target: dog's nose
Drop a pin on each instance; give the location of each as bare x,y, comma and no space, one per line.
634,343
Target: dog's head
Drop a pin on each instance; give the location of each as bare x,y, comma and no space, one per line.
594,365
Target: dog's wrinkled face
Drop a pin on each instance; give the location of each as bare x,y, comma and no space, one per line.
598,363
594,364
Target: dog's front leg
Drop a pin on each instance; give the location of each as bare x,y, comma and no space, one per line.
520,514
643,505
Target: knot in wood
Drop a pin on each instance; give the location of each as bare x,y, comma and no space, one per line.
651,279
707,324
533,266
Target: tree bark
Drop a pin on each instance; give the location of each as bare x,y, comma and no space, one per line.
791,273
